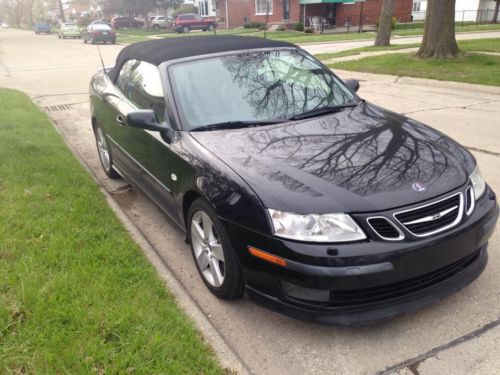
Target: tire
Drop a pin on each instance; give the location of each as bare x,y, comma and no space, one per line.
91,40
156,27
104,152
223,277
84,40
58,36
211,27
185,29
113,41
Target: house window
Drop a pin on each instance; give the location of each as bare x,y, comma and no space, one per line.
203,8
416,6
261,6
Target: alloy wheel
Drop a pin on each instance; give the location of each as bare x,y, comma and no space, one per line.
207,249
102,147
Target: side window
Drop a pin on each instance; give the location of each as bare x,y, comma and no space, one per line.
141,83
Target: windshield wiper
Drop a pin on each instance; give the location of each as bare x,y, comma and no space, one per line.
321,111
235,125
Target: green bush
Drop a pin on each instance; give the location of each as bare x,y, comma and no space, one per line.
308,30
280,28
298,26
185,10
253,25
84,21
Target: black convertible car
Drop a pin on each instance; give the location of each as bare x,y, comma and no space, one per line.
287,184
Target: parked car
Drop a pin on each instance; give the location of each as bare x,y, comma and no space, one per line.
123,22
42,28
287,184
99,32
160,22
186,22
69,30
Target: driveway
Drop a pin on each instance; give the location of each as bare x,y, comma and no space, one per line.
459,335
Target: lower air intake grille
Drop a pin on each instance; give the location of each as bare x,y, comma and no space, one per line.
434,217
384,228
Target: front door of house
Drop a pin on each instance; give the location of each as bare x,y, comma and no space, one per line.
286,10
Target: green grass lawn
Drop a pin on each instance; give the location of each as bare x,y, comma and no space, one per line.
458,28
483,45
77,295
470,68
287,36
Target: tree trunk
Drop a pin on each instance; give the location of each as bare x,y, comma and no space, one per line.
495,14
439,32
61,10
385,24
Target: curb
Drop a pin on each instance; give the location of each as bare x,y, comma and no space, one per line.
229,360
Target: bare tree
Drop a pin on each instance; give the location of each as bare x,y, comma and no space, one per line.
439,32
20,11
385,24
495,14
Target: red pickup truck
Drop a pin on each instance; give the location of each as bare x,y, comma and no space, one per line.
183,23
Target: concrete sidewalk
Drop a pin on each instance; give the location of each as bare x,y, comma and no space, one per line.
324,47
458,335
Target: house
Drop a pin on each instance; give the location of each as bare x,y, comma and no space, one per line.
235,13
465,10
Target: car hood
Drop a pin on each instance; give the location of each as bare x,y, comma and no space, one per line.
361,159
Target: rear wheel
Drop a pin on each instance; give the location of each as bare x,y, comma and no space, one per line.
104,153
156,27
185,29
211,27
213,253
84,40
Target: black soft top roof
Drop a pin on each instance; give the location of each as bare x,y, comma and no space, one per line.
161,50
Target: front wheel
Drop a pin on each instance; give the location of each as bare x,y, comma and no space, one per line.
211,27
213,253
104,153
185,29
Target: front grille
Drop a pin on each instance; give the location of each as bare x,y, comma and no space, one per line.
434,217
400,289
469,200
384,228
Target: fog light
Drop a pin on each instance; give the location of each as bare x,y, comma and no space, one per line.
306,294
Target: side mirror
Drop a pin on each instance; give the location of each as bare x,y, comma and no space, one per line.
145,119
352,84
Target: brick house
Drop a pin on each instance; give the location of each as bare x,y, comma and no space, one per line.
235,13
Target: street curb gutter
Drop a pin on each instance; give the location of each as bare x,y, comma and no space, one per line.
227,357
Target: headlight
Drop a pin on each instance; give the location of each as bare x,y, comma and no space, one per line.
316,228
478,183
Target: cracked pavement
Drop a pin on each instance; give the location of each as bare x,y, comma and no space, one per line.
459,335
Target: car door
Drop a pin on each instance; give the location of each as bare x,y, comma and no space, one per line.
143,153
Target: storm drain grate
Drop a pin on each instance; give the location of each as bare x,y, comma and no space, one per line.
59,107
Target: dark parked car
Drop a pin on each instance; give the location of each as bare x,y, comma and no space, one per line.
287,184
187,22
99,33
123,22
42,28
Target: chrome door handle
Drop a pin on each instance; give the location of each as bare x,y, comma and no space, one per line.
120,120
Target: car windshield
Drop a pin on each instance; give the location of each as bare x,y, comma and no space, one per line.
71,27
258,87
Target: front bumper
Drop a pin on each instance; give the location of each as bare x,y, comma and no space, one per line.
368,280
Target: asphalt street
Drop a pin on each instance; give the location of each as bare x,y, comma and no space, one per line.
459,335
